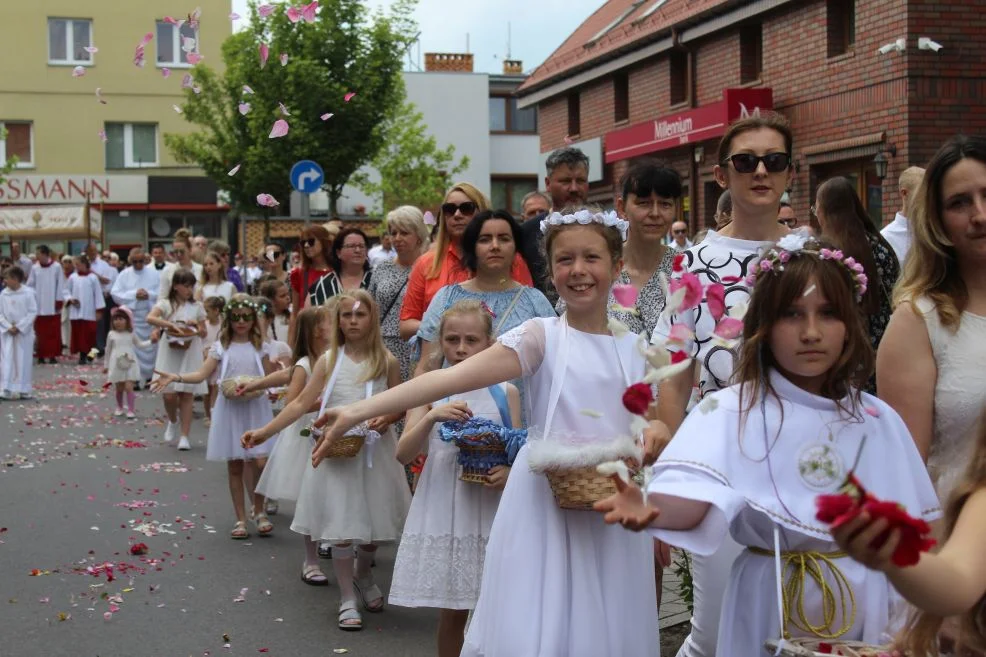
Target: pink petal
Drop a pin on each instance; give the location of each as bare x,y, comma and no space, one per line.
327,116
187,81
429,218
147,38
166,72
284,59
348,97
265,10
194,58
680,333
247,89
139,57
308,12
284,110
625,295
279,129
872,411
267,201
102,136
232,172
568,140
294,14
91,49
264,53
244,108
692,287
169,19
715,297
78,71
729,328
234,16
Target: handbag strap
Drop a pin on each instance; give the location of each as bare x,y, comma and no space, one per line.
506,313
500,397
394,301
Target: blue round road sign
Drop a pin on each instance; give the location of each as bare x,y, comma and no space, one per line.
307,177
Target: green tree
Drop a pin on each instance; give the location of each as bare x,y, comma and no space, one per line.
346,49
8,164
413,169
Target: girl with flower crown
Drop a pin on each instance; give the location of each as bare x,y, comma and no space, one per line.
555,581
752,458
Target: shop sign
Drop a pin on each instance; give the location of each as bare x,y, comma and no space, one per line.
61,189
689,126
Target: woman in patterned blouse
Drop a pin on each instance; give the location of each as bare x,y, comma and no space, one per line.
844,222
350,267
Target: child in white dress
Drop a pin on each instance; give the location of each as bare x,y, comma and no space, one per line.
18,308
279,295
363,499
752,459
181,326
121,365
213,323
240,351
213,282
555,581
440,559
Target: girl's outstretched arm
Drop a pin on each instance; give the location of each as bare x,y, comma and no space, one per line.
635,512
945,584
293,410
274,380
494,365
198,376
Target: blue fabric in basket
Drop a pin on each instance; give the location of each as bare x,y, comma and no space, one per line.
477,431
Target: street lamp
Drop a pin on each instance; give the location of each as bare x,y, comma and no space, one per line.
880,162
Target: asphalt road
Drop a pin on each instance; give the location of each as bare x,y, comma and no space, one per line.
75,496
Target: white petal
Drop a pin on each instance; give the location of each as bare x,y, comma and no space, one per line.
618,468
617,328
666,372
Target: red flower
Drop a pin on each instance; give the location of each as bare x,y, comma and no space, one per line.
715,297
678,356
825,648
676,265
637,398
138,548
913,531
832,508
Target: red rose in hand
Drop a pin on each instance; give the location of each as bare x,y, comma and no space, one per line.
835,509
637,398
913,531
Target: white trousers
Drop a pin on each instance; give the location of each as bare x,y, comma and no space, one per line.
16,362
710,575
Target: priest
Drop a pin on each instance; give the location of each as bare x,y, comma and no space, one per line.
46,279
137,288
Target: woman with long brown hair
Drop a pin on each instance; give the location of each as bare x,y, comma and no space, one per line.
316,248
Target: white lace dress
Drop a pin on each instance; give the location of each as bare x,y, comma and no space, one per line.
960,393
281,479
231,418
559,582
440,559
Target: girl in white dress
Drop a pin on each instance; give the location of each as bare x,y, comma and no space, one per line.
121,365
752,459
440,559
279,295
555,581
213,324
213,282
181,324
240,351
363,499
281,478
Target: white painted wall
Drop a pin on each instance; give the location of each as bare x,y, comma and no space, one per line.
515,155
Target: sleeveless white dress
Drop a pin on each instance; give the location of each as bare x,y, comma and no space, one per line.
440,559
232,418
346,500
281,479
960,393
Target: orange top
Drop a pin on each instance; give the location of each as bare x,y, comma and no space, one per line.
421,290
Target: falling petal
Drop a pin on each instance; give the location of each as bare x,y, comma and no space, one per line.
187,81
588,412
92,50
294,14
715,299
102,136
188,44
244,108
139,57
811,288
247,89
739,310
147,38
618,468
169,19
617,328
308,11
264,53
197,89
625,295
284,58
668,371
872,411
729,328
674,300
680,334
194,58
234,16
166,72
265,10
348,97
279,129
267,201
326,116
78,71
284,110
232,172
177,109
569,141
429,218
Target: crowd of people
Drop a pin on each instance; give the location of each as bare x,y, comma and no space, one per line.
345,383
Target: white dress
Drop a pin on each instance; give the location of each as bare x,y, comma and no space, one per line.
181,361
562,582
281,479
17,308
225,290
232,418
960,393
754,491
121,356
440,559
344,499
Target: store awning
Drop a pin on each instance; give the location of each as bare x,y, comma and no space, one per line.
50,221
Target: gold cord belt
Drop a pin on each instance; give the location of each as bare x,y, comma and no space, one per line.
811,564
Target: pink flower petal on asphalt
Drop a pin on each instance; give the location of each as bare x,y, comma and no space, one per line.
715,297
264,53
625,295
91,49
284,110
166,72
102,136
267,201
244,108
279,129
284,58
78,71
265,10
232,172
327,116
729,328
429,219
348,97
247,89
194,58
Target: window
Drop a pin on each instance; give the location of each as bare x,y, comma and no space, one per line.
574,111
751,53
507,193
678,82
68,39
131,145
172,47
505,116
841,20
621,97
18,142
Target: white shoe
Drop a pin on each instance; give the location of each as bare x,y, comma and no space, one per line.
169,431
131,415
183,444
118,412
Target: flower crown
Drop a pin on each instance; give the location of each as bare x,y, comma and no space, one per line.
585,217
233,305
796,243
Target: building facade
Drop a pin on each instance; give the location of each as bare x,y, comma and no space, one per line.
870,88
84,120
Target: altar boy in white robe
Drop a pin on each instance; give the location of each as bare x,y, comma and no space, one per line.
752,459
18,308
84,297
136,288
46,278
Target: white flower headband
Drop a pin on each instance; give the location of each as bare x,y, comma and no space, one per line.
585,217
797,243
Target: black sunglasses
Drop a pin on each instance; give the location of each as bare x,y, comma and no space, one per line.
680,231
748,162
790,223
310,242
241,317
467,209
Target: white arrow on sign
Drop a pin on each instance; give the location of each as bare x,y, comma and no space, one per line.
310,175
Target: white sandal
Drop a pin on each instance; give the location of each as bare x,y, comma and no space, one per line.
368,592
350,619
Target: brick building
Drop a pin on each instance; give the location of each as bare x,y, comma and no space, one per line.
865,93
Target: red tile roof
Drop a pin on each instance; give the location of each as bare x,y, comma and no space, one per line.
573,54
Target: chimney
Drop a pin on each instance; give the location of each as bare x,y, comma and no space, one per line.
448,62
513,67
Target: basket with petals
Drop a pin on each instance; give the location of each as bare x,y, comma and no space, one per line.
814,647
571,468
483,444
349,445
182,338
229,387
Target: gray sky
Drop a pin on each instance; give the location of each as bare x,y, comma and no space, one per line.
537,27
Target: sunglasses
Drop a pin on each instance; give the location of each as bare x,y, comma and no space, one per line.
276,254
790,223
467,209
748,162
679,232
241,317
310,242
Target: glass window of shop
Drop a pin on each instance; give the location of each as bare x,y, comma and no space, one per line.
161,228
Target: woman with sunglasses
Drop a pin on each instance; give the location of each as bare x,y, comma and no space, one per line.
272,262
350,266
755,167
181,251
442,264
316,248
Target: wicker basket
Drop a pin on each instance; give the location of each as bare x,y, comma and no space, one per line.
229,386
808,647
579,488
346,447
475,461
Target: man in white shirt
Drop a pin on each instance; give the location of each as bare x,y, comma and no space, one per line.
19,258
382,252
679,236
46,278
897,232
106,274
158,257
136,288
